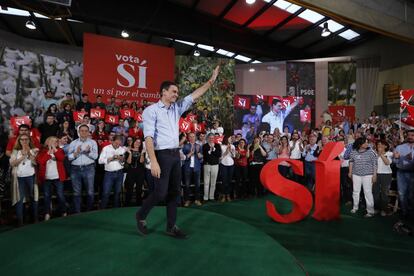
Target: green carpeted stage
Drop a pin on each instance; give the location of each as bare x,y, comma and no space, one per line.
234,238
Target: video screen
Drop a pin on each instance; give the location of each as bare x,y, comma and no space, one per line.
266,113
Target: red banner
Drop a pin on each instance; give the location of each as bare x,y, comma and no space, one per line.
97,113
340,112
241,102
124,69
127,113
112,119
78,116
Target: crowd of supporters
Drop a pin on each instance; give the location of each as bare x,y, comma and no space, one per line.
85,164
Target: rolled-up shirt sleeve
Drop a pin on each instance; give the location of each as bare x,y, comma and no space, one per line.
185,104
149,119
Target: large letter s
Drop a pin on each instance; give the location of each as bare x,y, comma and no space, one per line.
125,74
295,192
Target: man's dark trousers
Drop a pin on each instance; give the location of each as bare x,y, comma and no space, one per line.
166,187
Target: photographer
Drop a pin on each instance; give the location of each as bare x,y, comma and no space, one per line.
112,156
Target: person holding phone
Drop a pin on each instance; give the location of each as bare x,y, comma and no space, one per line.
112,156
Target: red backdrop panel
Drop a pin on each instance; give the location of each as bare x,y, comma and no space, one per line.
125,69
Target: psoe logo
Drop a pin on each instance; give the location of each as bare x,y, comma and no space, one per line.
132,71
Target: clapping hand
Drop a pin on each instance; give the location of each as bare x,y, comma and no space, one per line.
87,149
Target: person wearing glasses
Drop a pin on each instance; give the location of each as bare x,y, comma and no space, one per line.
82,153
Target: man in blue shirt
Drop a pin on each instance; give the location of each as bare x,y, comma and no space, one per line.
404,159
310,153
82,153
161,134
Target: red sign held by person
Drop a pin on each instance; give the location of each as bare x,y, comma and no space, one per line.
78,116
327,187
341,112
197,127
97,113
127,113
185,126
242,102
112,119
15,122
138,117
191,117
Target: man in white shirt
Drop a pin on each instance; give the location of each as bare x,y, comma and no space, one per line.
276,116
296,147
112,156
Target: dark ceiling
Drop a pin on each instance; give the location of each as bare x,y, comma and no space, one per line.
263,31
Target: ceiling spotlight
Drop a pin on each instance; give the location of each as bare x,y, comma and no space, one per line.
124,34
325,31
250,2
196,53
30,25
252,70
